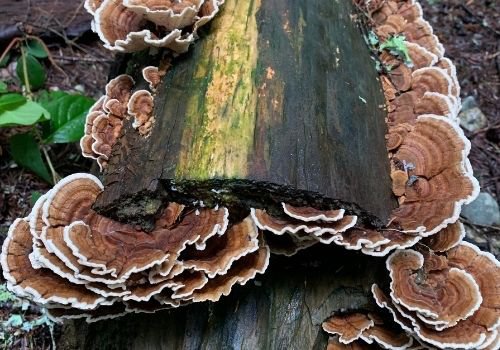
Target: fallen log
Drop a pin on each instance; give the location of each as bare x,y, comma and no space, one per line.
277,102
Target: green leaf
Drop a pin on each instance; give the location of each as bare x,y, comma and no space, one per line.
3,87
26,152
372,38
396,45
35,48
44,97
68,114
16,110
35,72
11,101
27,326
34,197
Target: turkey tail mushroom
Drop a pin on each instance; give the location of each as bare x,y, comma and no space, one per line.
126,25
67,255
104,120
445,299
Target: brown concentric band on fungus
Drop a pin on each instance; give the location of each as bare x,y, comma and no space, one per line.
125,25
358,328
441,301
349,327
104,120
41,286
152,75
180,14
140,106
335,344
463,329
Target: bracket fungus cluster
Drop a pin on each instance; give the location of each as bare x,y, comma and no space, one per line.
66,256
105,119
431,174
134,25
444,300
435,299
443,293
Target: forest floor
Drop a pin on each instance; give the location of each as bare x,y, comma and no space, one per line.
470,33
469,30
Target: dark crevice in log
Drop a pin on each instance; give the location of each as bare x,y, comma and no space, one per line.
282,309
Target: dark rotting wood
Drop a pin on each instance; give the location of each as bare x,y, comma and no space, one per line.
282,309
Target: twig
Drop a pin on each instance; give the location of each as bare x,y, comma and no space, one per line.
62,36
82,59
28,10
478,19
8,48
49,55
483,226
400,231
73,16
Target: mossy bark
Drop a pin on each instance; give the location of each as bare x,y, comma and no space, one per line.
278,101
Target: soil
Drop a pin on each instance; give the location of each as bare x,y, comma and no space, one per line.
470,33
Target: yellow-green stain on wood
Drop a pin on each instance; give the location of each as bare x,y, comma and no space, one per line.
218,138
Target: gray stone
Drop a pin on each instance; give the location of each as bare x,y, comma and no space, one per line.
483,211
471,117
468,103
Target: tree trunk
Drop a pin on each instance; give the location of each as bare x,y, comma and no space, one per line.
282,309
278,101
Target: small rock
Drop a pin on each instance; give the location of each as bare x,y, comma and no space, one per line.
483,211
468,103
79,88
471,117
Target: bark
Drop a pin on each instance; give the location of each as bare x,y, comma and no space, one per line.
282,309
278,101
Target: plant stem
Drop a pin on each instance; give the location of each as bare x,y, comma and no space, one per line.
55,175
25,73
